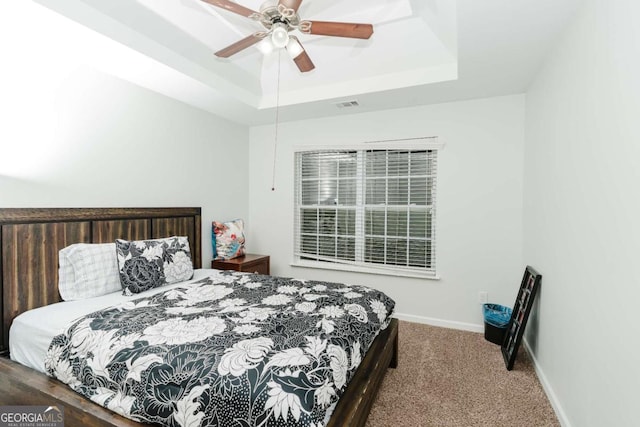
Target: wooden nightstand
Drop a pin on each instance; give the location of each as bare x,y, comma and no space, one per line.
248,263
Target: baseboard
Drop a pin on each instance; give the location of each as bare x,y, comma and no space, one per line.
546,386
440,322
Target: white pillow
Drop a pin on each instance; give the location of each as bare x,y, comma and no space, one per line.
88,270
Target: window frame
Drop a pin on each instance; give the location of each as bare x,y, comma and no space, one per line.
415,144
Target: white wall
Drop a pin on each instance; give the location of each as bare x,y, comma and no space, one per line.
582,208
479,207
75,137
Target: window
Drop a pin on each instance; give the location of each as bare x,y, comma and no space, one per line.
366,210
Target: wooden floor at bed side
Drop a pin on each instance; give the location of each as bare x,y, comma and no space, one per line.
20,385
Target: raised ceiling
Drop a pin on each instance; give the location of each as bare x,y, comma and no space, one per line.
422,51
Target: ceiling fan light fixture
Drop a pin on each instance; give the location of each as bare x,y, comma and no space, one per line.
265,46
294,48
279,35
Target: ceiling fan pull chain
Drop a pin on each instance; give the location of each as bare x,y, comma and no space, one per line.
275,143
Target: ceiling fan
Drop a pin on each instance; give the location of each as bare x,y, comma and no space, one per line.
279,19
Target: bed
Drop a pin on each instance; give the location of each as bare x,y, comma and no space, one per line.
31,239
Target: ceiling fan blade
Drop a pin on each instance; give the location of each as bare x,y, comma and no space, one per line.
233,7
291,4
240,45
300,56
304,62
337,29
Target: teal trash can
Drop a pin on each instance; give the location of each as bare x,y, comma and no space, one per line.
496,320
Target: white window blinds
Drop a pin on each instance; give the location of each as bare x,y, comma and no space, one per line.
370,208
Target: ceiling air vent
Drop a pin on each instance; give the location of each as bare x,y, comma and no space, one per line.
347,104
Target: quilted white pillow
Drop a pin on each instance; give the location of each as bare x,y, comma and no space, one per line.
88,270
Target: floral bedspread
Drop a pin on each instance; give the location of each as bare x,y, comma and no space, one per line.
232,349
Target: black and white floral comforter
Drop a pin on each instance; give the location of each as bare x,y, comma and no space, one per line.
228,350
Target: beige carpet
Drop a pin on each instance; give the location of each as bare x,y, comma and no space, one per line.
454,378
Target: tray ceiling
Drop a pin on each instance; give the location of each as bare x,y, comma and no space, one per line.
422,51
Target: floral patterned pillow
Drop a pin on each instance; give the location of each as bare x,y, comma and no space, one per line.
147,264
228,239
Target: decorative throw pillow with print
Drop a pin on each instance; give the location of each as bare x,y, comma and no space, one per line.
147,264
228,239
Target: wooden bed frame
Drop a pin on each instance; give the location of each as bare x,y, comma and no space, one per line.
29,243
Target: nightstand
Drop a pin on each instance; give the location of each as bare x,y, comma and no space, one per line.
249,263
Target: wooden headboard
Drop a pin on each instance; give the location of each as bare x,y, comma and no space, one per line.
31,238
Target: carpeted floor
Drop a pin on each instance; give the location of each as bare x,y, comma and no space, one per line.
447,377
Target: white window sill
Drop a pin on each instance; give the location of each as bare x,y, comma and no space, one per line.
368,270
